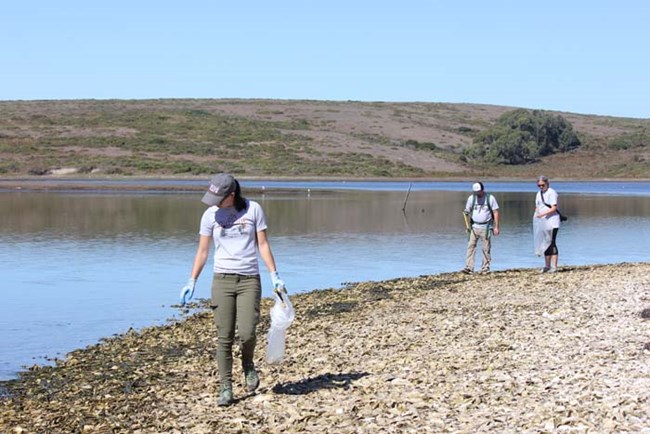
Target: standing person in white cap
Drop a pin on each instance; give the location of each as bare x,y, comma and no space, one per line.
483,210
237,227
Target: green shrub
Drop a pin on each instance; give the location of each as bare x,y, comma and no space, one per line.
428,146
9,167
522,136
638,139
619,143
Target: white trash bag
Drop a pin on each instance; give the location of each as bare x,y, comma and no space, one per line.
542,234
282,315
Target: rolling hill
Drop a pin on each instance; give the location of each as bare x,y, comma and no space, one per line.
285,138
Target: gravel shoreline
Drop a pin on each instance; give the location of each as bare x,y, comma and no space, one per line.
512,351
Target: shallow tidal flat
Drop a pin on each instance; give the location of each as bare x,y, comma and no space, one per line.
513,351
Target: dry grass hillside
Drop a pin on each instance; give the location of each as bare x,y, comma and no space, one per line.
289,138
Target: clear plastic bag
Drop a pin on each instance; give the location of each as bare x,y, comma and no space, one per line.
282,315
542,234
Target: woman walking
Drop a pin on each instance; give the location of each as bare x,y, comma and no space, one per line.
546,207
237,227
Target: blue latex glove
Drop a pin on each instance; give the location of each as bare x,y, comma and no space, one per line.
277,282
187,291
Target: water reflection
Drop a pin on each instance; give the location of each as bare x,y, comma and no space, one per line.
84,215
176,215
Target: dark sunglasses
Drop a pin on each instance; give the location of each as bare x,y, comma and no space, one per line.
541,185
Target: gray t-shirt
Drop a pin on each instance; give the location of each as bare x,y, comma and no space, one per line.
481,212
235,237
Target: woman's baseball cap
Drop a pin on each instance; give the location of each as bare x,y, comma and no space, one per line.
477,186
221,185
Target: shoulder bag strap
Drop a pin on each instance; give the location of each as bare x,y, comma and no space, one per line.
543,201
557,210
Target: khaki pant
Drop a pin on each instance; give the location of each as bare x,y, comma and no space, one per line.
235,303
485,236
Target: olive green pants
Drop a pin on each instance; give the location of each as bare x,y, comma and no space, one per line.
235,303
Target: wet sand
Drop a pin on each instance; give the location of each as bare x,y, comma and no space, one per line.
512,351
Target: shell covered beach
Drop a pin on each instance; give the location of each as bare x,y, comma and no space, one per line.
511,351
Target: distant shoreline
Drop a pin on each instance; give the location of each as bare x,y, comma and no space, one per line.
180,184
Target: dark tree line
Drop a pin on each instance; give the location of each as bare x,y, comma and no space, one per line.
522,136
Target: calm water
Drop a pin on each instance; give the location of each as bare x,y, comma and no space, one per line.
76,267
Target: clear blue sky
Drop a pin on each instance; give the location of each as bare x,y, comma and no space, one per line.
580,56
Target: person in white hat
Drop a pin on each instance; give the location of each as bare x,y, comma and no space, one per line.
483,210
237,227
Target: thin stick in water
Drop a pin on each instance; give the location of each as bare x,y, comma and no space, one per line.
407,196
